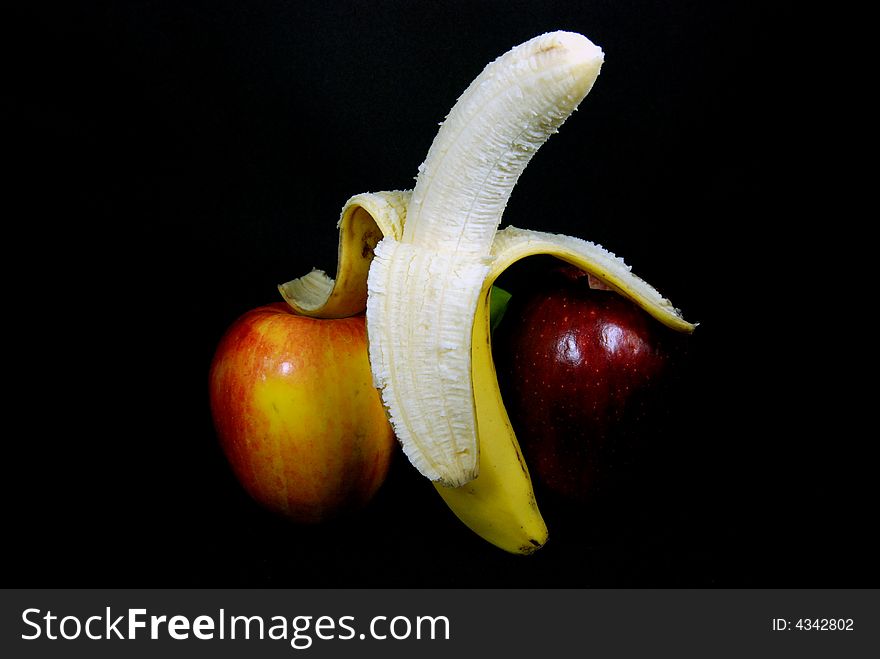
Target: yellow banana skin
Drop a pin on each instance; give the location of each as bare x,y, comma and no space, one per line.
364,221
499,504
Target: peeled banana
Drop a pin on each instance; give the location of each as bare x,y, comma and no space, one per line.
423,265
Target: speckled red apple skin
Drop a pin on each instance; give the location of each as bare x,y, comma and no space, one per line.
577,368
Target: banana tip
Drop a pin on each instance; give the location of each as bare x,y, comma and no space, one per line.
576,45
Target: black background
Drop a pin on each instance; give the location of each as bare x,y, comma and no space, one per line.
174,161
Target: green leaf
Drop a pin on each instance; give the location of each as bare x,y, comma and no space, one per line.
498,299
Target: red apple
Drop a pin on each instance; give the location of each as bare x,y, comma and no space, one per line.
576,366
297,415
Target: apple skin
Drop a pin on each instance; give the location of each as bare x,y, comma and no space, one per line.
577,367
297,415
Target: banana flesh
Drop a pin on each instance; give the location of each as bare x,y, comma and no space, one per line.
423,289
423,265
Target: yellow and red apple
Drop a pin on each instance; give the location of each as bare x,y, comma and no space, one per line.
297,414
